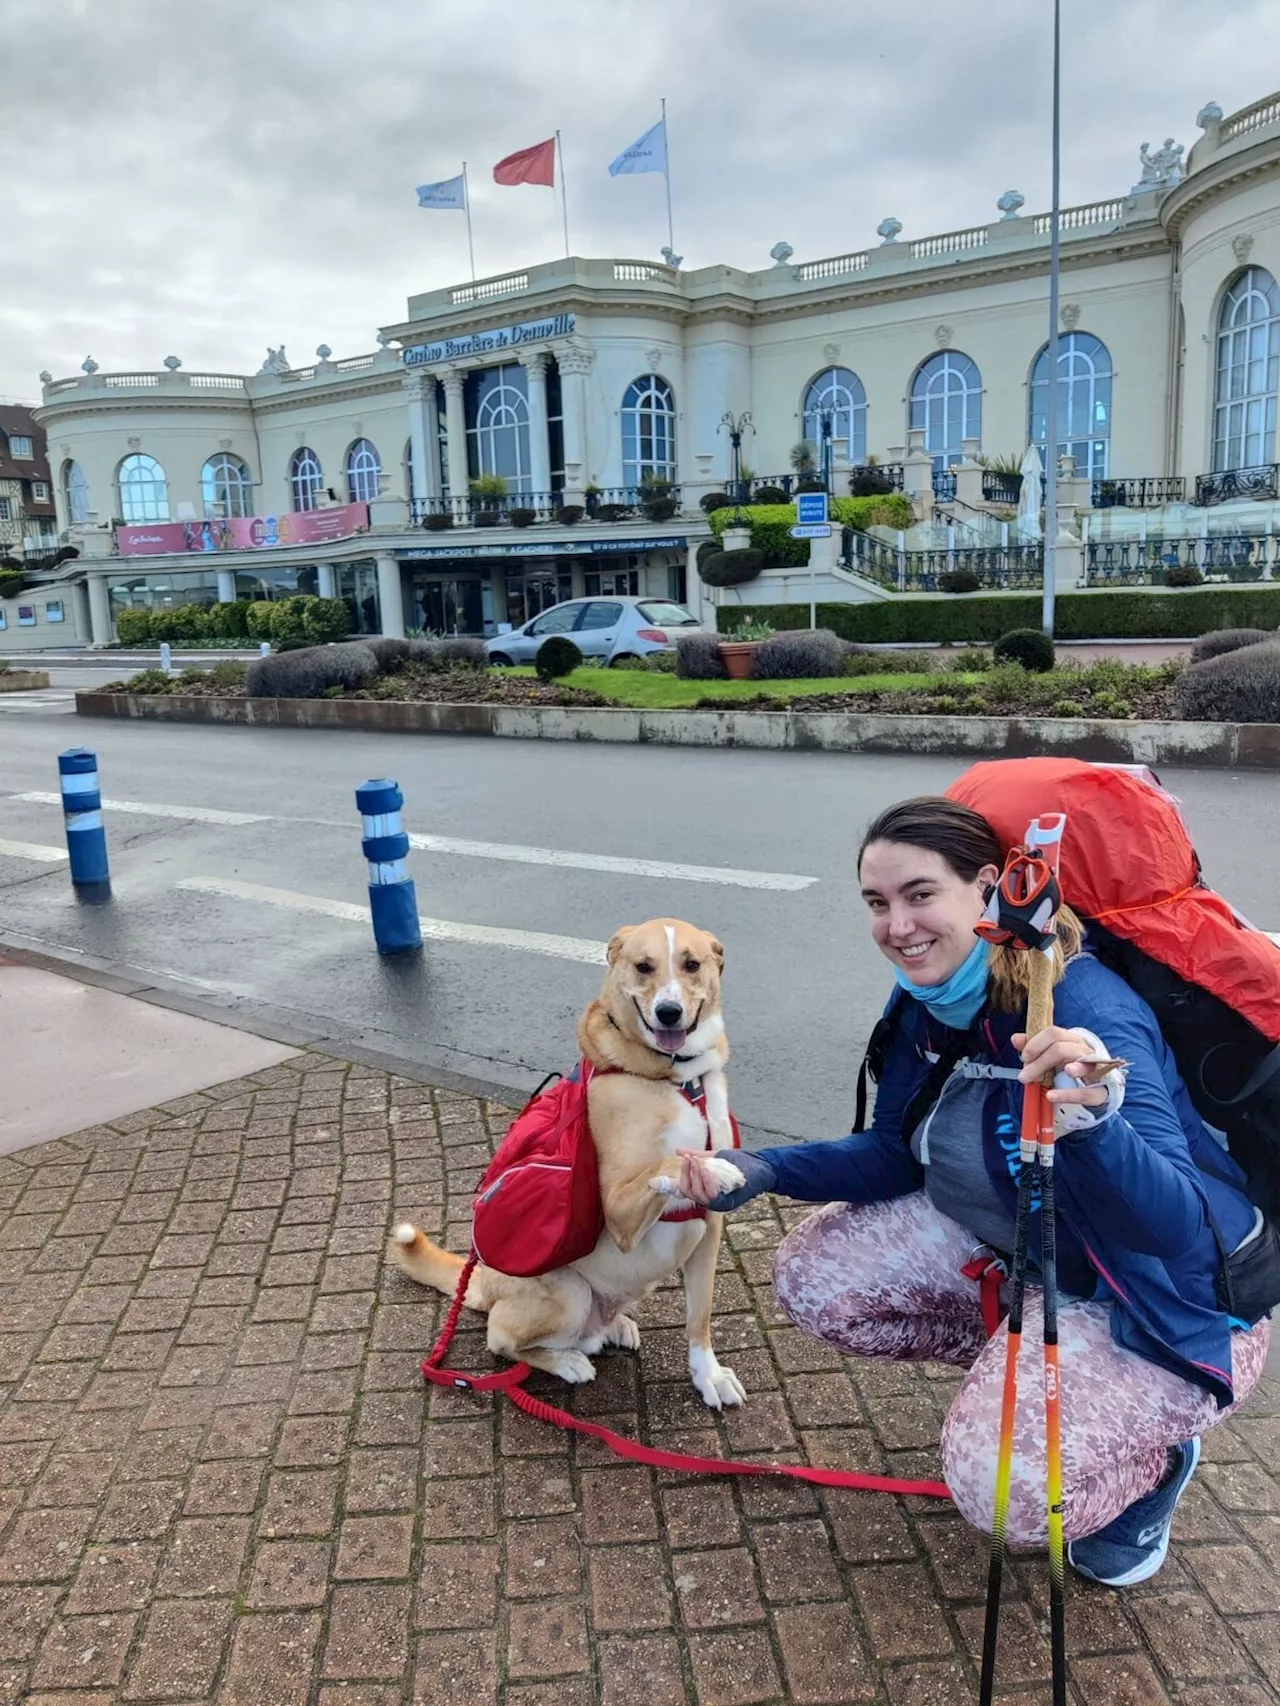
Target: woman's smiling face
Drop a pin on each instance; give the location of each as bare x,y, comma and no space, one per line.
922,912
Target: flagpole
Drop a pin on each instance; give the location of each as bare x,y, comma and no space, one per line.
1049,556
466,197
666,154
564,199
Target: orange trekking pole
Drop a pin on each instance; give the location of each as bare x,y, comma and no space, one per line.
1023,911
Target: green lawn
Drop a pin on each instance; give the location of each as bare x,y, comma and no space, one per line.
667,692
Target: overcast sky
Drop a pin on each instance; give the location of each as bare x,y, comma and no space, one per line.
203,178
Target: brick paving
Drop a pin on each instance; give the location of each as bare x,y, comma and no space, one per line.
221,1479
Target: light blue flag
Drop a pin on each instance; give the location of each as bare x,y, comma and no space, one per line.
449,193
649,154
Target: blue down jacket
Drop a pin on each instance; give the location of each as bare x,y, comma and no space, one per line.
1134,1195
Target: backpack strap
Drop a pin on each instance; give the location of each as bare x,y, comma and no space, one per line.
873,1060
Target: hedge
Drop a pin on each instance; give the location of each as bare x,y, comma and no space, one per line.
1078,616
771,524
314,620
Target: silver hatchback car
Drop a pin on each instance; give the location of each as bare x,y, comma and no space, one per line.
603,629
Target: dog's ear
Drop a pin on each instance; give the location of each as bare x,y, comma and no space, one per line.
717,949
617,939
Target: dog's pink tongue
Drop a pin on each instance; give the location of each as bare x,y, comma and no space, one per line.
669,1042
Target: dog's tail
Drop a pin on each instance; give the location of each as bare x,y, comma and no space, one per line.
430,1265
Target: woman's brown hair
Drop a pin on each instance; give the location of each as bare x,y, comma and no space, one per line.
966,842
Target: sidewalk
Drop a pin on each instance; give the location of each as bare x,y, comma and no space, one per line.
221,1479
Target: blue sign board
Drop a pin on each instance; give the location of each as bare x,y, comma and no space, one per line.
811,509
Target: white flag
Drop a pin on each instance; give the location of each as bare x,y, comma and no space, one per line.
449,193
649,154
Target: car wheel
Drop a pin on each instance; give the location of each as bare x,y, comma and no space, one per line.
622,657
501,660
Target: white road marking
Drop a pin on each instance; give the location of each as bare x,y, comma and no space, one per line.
140,808
33,850
434,929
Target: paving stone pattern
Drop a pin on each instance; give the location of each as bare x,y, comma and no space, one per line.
221,1479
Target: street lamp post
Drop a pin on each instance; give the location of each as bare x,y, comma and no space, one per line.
736,426
1051,425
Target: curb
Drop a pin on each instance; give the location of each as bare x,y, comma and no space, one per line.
1246,746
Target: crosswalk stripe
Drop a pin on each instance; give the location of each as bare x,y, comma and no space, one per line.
433,929
197,814
33,850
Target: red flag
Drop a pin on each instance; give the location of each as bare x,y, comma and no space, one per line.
535,165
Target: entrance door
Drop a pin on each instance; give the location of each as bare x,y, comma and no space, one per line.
448,605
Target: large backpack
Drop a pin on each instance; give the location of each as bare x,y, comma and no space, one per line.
1129,869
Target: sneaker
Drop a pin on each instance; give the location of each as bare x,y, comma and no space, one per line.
1132,1548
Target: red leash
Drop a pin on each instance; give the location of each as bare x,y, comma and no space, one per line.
511,1381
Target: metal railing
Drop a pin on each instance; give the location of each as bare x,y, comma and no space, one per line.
514,509
944,484
489,288
1148,491
1235,557
1000,488
1259,482
626,503
987,568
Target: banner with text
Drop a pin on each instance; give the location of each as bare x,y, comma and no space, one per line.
242,533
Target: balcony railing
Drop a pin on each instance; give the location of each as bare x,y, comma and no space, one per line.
1259,482
1149,491
994,568
944,484
1237,557
529,509
630,503
888,475
1001,488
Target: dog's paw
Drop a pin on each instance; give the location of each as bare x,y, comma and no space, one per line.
573,1367
725,1174
623,1332
717,1385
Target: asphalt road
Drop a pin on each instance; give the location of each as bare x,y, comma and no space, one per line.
538,846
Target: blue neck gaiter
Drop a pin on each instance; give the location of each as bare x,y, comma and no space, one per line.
957,1002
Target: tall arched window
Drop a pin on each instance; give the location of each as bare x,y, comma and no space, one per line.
648,431
837,397
946,400
226,486
75,490
363,469
497,411
1084,403
1244,419
144,491
306,478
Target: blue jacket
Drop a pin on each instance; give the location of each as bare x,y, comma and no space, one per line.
1134,1194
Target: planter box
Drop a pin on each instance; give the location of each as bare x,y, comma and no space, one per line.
22,680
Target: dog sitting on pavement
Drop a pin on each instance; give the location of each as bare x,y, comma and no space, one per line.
655,1027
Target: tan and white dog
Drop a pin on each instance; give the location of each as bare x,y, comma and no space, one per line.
655,1025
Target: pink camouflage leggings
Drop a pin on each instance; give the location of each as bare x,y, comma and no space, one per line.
884,1281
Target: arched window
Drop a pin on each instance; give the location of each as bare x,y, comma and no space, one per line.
1244,418
363,469
306,478
648,431
838,398
497,412
144,491
1084,403
226,486
75,490
946,400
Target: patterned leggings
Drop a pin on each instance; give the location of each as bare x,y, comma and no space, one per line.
884,1281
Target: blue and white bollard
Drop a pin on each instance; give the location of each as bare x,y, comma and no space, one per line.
82,808
393,900
264,648
166,658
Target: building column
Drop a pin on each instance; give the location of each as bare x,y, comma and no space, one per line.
535,374
226,586
420,391
575,363
456,423
390,597
324,580
100,611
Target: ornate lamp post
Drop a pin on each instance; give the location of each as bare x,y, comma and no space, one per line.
736,426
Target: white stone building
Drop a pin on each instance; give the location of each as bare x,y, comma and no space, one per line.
594,402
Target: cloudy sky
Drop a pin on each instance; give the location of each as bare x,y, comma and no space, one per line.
205,177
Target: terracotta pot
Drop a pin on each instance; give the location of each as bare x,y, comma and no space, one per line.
737,655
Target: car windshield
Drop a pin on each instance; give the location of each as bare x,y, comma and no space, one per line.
667,615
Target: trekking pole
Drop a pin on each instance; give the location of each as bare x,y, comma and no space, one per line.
1022,910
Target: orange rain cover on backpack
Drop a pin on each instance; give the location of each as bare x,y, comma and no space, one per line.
1128,863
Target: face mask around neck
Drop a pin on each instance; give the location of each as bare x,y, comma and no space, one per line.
957,1002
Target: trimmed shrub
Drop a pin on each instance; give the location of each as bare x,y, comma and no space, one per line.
1030,647
570,514
522,517
660,508
258,623
960,580
1224,640
288,619
712,501
306,674
1066,708
769,495
556,657
771,524
730,568
612,512
869,482
437,523
888,663
796,656
970,660
326,619
11,585
451,654
1112,706
1183,574
192,621
229,621
390,653
133,627
229,673
1236,687
164,627
698,658
661,663
631,663
810,484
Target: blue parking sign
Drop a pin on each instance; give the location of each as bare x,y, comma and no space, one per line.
811,508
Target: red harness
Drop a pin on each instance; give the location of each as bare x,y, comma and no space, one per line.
696,1097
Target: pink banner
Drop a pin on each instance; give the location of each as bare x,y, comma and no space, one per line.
242,533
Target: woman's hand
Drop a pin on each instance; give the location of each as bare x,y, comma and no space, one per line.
1077,1056
698,1182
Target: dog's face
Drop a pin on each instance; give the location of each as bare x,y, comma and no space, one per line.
663,985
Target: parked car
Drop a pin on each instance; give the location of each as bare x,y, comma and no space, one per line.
603,629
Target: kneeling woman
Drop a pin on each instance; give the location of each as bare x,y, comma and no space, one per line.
1145,1200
